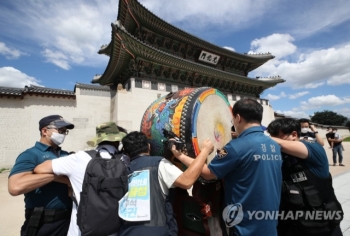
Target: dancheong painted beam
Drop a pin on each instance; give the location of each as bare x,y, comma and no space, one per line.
131,57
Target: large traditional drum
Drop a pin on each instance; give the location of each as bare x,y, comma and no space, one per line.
193,114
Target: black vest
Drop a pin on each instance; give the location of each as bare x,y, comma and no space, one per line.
162,219
309,200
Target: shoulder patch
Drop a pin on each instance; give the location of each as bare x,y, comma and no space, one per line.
221,153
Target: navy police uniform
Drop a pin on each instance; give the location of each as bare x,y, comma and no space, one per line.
251,169
49,206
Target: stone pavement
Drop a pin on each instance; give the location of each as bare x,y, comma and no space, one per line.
12,208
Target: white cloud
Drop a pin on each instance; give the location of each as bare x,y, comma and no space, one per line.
272,97
323,101
309,70
312,85
229,48
58,58
197,15
233,15
344,111
278,44
298,95
340,79
9,52
295,113
66,32
77,28
11,77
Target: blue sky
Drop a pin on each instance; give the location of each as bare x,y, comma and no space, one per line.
55,43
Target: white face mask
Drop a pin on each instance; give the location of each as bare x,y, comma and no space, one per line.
304,130
57,138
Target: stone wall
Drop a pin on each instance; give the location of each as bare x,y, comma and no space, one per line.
19,120
19,117
128,106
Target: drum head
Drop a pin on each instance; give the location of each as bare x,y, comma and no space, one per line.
214,121
211,118
193,114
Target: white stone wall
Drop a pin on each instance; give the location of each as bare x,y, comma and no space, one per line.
132,104
268,113
128,107
19,120
19,117
93,108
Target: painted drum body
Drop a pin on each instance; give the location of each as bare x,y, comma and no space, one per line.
193,114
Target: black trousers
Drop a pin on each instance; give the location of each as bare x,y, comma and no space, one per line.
58,228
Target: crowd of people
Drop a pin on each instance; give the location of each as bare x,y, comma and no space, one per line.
286,173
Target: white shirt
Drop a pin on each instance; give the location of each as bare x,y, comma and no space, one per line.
74,166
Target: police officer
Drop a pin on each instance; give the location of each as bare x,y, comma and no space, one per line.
251,169
307,184
47,204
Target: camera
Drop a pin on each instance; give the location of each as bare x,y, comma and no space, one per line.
179,144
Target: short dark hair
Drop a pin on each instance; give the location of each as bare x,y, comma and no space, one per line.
135,143
303,120
121,129
250,110
285,125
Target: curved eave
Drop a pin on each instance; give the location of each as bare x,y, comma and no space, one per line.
106,50
163,28
117,62
276,80
127,46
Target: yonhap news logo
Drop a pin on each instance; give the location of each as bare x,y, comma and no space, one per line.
233,214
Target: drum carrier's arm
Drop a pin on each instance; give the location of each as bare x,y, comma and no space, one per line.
172,139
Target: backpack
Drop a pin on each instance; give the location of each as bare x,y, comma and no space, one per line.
105,183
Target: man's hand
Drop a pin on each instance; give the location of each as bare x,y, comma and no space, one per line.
176,153
312,127
208,146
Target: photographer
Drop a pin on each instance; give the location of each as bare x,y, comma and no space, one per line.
309,132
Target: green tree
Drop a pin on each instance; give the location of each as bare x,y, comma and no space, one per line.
328,118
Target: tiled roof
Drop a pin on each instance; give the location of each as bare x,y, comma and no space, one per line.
44,90
32,89
126,47
92,87
11,91
131,11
